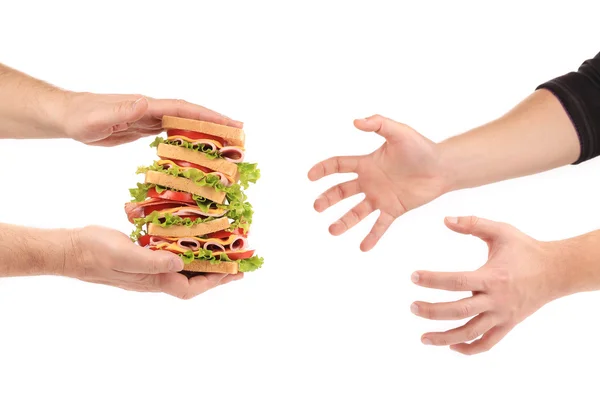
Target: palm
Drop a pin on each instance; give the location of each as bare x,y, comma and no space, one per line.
401,175
113,119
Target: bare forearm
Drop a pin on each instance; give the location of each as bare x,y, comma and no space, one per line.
29,108
30,251
578,260
537,135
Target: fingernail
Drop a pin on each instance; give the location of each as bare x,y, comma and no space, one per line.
452,220
175,265
414,309
415,277
238,277
135,103
426,341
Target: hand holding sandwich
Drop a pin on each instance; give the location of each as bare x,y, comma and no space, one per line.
98,255
33,109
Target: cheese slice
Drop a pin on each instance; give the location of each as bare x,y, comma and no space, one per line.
216,212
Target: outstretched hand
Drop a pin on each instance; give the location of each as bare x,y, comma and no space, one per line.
102,255
403,174
519,277
113,119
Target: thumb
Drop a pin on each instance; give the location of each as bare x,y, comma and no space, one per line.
482,228
125,112
385,127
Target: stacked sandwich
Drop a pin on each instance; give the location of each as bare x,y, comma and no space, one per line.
192,201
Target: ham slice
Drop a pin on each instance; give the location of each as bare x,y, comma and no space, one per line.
136,210
232,154
189,243
239,243
212,246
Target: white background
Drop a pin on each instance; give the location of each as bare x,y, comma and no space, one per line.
321,319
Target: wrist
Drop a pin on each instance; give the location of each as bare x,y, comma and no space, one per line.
567,274
447,162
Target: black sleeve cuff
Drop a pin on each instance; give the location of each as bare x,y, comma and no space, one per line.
579,94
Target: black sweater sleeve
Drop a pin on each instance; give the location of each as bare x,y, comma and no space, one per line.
579,94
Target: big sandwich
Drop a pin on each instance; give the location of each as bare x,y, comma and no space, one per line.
192,200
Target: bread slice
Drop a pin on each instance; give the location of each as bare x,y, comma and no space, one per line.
204,228
185,185
171,152
223,267
233,136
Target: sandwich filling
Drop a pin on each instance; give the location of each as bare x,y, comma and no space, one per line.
192,226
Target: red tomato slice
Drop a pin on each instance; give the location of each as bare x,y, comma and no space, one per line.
144,240
171,195
194,135
240,255
189,165
226,234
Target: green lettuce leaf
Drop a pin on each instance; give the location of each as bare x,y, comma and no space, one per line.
249,173
251,264
207,150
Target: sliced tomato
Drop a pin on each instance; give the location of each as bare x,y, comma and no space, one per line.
189,165
226,234
171,195
194,135
240,255
144,240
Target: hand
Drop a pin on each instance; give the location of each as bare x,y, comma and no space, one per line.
403,174
101,255
113,119
520,276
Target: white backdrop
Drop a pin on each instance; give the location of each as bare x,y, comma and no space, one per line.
321,319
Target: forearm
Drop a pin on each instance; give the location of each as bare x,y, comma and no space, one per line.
29,108
535,136
29,251
577,261
558,124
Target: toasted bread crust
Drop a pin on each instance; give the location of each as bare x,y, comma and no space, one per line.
233,136
185,185
196,157
223,267
189,231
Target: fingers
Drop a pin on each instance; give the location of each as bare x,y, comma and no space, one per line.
184,109
482,228
334,165
138,260
351,218
382,224
385,127
180,286
466,333
454,281
455,310
336,194
489,340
